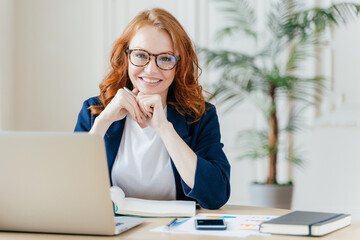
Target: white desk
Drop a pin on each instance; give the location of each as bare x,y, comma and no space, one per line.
351,232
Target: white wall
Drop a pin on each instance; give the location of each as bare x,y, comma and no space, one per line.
59,51
58,61
330,179
6,67
346,50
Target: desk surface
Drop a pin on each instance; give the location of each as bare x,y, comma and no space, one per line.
143,231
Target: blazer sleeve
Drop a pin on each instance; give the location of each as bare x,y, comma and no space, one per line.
212,176
85,119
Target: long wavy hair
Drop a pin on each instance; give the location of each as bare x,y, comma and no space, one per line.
185,93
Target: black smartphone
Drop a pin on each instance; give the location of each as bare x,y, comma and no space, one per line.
210,224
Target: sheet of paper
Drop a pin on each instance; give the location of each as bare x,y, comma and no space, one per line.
237,225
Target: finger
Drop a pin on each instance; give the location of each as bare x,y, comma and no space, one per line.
136,91
140,101
149,106
152,99
123,94
148,113
141,117
132,113
129,92
144,109
132,107
143,125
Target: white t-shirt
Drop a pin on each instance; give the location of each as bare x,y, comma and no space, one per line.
142,167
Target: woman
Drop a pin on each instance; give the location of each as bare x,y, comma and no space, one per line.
162,139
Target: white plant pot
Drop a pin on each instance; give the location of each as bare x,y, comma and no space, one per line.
273,196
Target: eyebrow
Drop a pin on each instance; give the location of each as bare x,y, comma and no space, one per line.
152,52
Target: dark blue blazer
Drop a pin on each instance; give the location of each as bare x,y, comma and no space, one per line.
212,177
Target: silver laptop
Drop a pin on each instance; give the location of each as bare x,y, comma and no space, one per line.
56,183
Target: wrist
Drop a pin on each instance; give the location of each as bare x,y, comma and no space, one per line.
103,120
164,129
100,126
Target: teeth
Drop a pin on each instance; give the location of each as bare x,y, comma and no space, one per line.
150,80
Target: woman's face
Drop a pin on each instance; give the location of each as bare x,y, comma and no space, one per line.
150,79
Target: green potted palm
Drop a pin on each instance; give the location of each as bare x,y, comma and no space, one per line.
271,77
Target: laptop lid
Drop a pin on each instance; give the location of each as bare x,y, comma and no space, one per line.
55,183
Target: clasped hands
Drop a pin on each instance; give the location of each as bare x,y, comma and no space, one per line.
144,109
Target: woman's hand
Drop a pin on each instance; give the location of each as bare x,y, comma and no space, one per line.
122,104
151,106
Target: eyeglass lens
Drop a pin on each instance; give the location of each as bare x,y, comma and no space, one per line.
164,61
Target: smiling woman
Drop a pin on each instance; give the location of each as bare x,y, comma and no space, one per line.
187,96
162,139
148,77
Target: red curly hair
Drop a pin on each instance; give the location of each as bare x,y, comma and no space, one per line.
185,93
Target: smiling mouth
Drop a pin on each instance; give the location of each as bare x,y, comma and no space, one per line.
149,80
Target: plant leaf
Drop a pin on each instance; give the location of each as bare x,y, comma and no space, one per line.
242,17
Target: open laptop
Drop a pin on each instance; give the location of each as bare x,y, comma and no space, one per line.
56,183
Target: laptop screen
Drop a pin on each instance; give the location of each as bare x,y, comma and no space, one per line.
54,182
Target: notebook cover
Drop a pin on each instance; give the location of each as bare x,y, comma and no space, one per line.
301,218
304,218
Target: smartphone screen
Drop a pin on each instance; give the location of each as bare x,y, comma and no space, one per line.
210,224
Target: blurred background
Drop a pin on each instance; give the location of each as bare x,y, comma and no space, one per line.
54,53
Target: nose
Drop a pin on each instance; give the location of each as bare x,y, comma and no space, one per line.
151,66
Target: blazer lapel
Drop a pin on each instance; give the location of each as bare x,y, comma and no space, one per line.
178,121
112,140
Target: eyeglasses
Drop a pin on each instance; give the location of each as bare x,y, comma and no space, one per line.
141,58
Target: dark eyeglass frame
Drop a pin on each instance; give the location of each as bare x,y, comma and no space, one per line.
129,51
